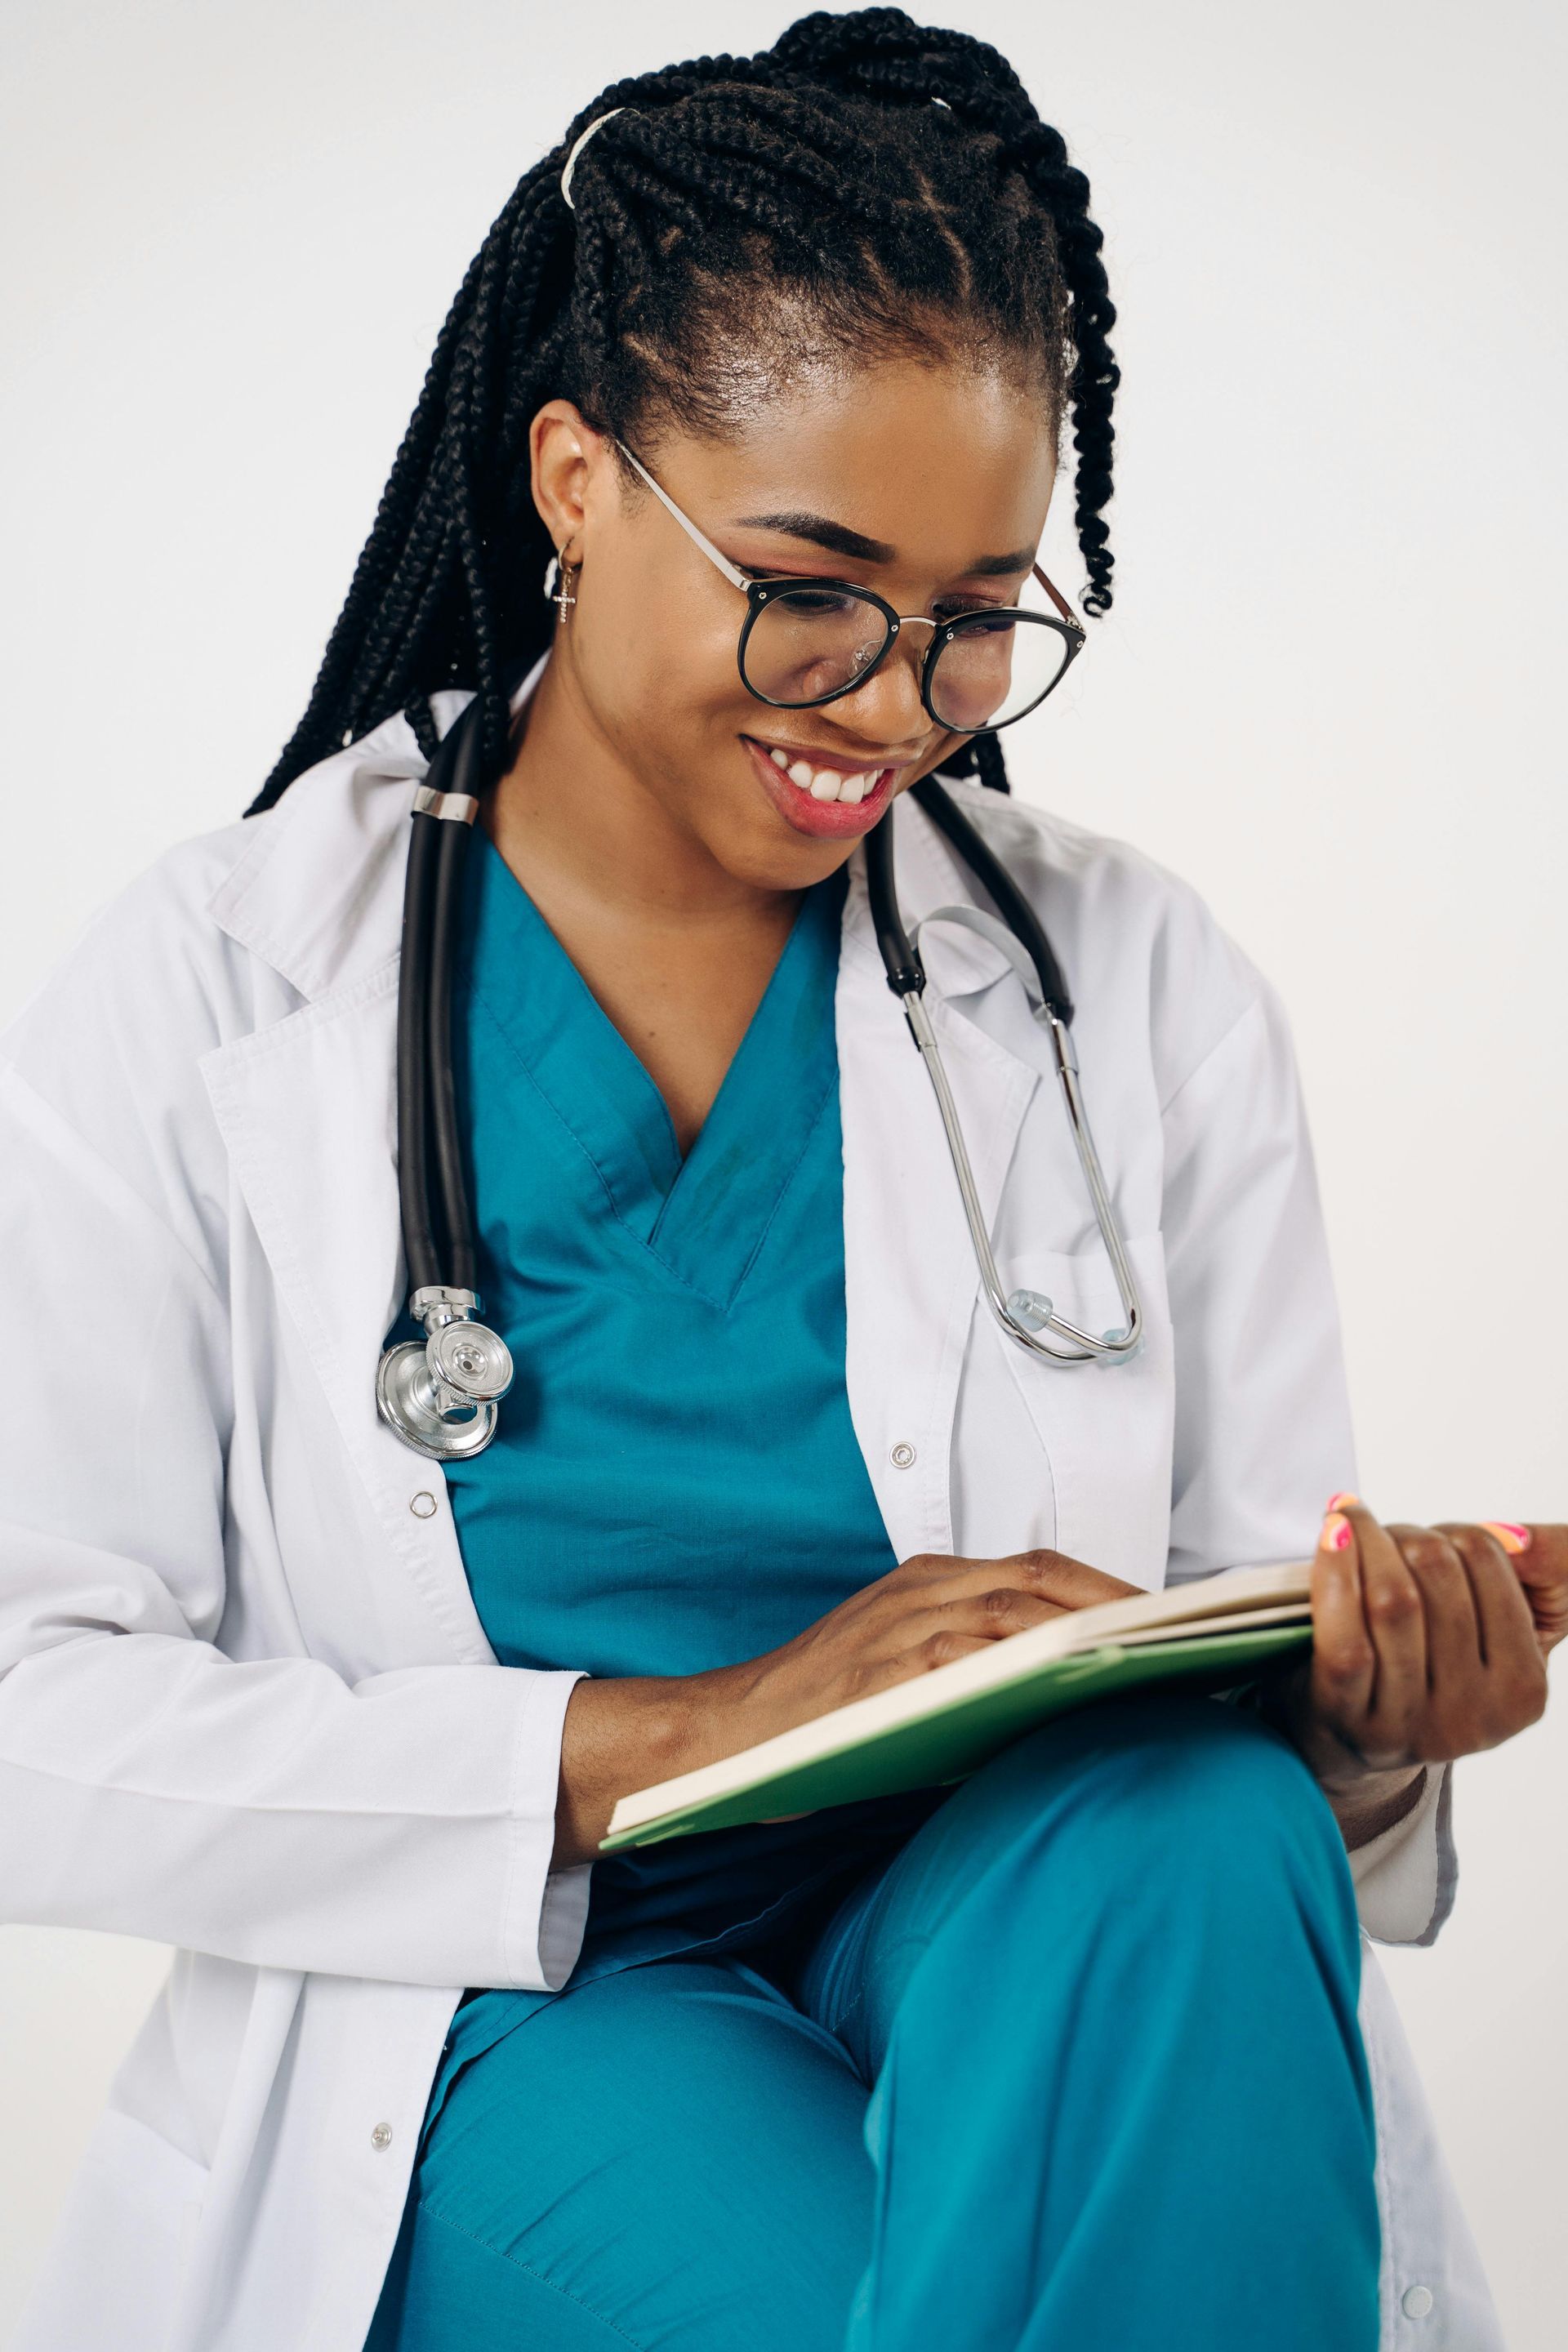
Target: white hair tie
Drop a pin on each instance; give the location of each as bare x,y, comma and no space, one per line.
578,146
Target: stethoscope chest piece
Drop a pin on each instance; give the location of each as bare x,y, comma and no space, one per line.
439,1393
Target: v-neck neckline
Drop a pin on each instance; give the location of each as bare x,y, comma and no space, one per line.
704,1218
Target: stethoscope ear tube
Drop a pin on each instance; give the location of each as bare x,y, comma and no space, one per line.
1026,1317
901,958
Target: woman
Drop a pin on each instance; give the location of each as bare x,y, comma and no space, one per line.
1070,2055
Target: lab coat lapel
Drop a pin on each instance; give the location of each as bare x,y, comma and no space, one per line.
307,1108
910,1281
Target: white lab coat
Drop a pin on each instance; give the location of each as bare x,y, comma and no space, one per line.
247,1706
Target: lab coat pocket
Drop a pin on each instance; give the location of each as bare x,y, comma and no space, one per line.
136,2200
1107,1429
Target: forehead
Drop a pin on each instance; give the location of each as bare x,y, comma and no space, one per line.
943,463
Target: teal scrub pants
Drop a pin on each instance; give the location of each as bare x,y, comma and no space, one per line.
1078,2068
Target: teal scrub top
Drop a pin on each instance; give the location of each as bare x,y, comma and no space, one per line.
676,1484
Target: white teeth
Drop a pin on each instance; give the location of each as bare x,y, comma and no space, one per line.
828,784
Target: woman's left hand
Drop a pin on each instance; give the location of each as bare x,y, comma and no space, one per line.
1429,1643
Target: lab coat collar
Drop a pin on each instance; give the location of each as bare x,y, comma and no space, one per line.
318,892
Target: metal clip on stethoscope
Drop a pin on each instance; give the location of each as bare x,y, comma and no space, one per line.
440,1395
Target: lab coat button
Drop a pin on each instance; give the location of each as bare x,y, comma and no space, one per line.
1416,2302
382,2135
901,1456
423,1505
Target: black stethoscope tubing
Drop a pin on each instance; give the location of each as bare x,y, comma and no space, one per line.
901,959
428,1138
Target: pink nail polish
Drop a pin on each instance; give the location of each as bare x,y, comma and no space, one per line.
1341,1502
1510,1534
1336,1535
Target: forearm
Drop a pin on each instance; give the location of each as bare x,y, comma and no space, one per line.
627,1732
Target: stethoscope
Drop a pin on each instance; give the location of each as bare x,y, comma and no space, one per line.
440,1394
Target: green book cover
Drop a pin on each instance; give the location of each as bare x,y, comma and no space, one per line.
947,1742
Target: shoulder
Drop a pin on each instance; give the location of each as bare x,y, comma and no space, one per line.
101,1071
233,930
152,965
1133,938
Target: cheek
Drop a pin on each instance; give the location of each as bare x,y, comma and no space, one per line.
660,671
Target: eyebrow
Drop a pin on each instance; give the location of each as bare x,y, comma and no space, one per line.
820,531
836,537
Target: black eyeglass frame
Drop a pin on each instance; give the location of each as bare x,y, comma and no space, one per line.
758,592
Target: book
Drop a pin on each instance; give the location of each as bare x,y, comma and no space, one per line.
939,1726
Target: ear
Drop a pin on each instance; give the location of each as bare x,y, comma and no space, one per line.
566,454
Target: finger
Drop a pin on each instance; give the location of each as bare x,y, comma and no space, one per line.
1344,1663
1001,1609
1503,1621
1540,1557
1512,1690
940,1649
1071,1583
1454,1650
1396,1621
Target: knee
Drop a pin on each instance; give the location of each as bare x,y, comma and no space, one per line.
1179,1788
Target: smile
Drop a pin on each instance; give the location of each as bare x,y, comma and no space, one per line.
851,785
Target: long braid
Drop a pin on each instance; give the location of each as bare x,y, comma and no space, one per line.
819,170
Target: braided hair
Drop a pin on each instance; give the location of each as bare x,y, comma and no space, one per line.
737,217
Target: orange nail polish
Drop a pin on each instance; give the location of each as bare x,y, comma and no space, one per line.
1336,1535
1340,1502
1510,1534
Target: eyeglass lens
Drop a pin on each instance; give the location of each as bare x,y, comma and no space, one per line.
807,643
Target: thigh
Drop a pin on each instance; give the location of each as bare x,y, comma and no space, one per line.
1119,1814
668,2157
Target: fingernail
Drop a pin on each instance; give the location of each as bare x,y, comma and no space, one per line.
1336,1535
1341,1502
1510,1534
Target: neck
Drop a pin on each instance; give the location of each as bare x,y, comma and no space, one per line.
583,832
676,950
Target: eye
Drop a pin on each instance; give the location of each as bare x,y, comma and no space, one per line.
817,603
955,608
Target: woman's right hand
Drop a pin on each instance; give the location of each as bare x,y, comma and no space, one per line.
629,1733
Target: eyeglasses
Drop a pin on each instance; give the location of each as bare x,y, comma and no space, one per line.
805,642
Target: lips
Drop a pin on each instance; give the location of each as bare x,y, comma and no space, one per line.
821,793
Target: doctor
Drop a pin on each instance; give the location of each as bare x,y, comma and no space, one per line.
1087,2051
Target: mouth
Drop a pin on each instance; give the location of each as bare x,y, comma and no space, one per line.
823,794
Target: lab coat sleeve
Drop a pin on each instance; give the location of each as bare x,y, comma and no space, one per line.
1263,1427
270,1812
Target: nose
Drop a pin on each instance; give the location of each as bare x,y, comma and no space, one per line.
888,706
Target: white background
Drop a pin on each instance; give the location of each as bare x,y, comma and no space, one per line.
1330,693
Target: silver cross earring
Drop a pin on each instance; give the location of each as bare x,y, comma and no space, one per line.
555,587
